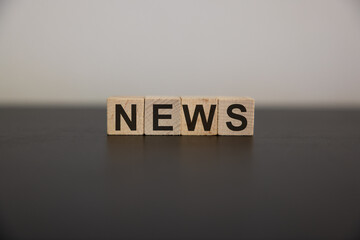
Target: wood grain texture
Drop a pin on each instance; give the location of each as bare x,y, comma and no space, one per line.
207,104
163,124
126,103
224,118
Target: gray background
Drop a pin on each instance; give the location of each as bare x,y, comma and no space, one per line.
282,53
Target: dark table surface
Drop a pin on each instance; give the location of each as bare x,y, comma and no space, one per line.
61,177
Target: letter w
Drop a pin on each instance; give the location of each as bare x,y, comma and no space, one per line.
199,109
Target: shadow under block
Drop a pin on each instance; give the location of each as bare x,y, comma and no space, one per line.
236,116
162,115
125,116
199,116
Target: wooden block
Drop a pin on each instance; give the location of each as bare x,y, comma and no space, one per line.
162,115
125,116
199,116
236,116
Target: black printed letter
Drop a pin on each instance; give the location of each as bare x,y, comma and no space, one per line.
199,109
156,117
119,110
236,116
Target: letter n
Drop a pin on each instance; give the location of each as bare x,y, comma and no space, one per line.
120,112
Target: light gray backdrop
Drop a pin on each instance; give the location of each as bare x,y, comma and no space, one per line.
290,53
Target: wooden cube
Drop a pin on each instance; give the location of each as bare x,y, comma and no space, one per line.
199,116
125,116
236,116
162,116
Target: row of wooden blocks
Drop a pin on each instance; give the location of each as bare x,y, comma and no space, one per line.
180,116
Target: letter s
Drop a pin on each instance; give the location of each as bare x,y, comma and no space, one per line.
236,116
